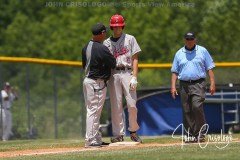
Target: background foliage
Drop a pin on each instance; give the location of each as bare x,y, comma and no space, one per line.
59,30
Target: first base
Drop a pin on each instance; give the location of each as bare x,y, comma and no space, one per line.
124,144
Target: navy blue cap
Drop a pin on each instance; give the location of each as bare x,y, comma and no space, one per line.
189,35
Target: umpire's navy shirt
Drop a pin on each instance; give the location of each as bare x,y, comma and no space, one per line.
101,63
192,65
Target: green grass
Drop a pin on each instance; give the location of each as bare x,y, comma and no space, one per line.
187,152
37,144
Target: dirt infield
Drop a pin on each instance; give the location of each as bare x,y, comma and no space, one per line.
45,151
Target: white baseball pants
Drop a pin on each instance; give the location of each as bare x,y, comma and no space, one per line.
119,86
6,124
94,95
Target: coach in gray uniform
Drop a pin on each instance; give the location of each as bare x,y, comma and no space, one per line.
190,65
97,63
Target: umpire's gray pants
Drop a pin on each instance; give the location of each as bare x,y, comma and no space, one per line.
94,101
192,99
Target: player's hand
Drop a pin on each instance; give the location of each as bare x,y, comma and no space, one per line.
212,88
133,83
174,93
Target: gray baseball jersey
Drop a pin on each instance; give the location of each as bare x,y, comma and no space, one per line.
123,49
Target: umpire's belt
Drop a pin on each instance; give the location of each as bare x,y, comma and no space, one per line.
193,81
123,68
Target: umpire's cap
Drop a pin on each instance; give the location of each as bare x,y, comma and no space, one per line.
189,35
98,28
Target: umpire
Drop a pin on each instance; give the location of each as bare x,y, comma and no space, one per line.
191,65
97,63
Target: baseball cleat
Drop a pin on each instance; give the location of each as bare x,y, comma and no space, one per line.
134,137
104,144
117,139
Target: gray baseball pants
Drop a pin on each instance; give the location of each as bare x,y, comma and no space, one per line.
94,96
6,124
119,86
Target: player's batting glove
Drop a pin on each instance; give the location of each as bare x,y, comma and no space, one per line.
133,83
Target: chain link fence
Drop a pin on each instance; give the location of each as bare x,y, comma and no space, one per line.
51,101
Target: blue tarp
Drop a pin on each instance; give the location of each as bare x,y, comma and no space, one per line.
160,114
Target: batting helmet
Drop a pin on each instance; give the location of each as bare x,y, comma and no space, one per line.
117,21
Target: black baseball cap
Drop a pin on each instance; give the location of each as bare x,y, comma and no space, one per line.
98,29
189,35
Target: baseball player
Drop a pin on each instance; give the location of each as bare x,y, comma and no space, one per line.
123,81
8,96
97,63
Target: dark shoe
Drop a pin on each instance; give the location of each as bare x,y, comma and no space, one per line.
117,139
93,146
190,141
104,144
201,139
134,137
